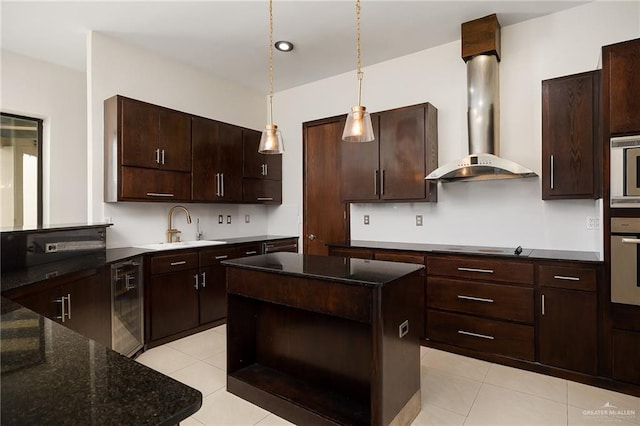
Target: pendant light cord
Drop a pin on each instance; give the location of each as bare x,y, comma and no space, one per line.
271,62
358,63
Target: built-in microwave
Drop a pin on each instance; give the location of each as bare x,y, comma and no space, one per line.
625,171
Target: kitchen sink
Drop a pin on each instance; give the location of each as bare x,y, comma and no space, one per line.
180,245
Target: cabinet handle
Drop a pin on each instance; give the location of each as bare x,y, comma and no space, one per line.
127,282
482,336
204,279
375,182
248,253
266,169
382,184
162,157
61,301
543,304
159,194
221,257
179,262
271,199
552,171
562,277
475,299
631,240
222,184
484,271
69,306
195,277
158,156
217,184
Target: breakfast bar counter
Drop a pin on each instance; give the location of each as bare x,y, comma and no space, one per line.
325,340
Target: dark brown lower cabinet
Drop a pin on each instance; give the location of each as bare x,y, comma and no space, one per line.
174,303
567,325
81,302
626,347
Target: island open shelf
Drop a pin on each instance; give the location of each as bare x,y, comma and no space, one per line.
325,340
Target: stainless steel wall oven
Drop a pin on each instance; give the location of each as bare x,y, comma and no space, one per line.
625,257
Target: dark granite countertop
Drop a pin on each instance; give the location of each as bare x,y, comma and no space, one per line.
52,375
527,253
348,271
53,227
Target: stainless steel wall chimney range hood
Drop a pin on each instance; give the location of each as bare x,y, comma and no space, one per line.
481,52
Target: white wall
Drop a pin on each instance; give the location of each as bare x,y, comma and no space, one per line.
115,68
57,95
496,213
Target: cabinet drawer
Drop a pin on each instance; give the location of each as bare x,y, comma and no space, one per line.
174,262
490,300
351,252
290,245
400,257
248,250
491,336
149,184
484,269
211,257
572,278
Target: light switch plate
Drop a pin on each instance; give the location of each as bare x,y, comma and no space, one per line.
247,218
220,218
228,219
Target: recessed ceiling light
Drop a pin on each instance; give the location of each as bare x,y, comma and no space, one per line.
284,46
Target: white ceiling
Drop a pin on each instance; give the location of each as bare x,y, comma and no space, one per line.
229,39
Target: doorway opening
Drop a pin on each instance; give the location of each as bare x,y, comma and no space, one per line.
20,171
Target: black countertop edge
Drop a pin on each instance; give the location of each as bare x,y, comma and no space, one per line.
253,239
535,254
370,273
53,375
53,227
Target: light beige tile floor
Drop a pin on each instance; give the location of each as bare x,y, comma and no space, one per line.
456,390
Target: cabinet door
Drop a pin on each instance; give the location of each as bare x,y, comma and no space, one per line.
568,329
174,137
174,303
139,133
261,191
88,308
358,162
217,161
137,183
570,117
256,165
213,293
44,302
621,64
402,154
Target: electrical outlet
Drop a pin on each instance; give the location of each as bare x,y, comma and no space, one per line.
228,219
247,218
220,218
593,222
366,219
418,220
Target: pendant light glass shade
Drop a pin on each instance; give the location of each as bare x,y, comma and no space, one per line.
358,127
271,141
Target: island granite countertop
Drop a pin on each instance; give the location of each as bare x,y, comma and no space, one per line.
53,375
339,269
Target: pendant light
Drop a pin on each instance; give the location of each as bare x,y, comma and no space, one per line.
271,139
358,127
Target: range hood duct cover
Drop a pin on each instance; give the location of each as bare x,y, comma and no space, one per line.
483,123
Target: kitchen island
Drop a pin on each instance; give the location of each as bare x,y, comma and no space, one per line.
325,340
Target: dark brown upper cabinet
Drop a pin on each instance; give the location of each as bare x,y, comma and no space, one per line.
621,87
217,161
147,152
393,166
571,158
262,173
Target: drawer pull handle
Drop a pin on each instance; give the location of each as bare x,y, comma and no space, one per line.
159,194
631,241
482,336
250,252
180,262
562,277
475,299
265,198
484,271
221,257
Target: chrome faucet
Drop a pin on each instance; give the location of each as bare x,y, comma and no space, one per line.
171,231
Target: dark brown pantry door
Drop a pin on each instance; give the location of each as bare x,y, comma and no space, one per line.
325,217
